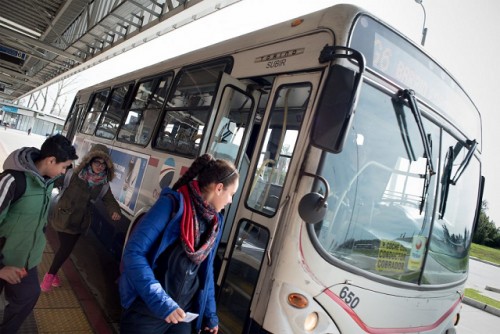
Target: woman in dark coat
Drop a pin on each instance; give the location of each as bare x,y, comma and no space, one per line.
73,213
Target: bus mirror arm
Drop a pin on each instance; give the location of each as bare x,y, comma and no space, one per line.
313,206
330,53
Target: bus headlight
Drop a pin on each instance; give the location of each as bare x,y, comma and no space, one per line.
311,321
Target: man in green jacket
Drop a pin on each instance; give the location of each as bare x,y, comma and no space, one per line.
25,191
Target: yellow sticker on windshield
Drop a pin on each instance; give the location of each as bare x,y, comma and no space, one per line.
391,256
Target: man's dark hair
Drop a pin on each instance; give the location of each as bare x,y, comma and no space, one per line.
59,147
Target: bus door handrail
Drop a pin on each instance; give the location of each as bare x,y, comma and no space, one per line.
272,236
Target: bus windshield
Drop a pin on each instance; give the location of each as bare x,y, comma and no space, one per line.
381,205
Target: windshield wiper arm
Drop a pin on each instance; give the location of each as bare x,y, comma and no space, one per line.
409,95
403,126
427,181
463,165
447,179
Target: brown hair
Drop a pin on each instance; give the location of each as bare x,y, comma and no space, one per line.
209,170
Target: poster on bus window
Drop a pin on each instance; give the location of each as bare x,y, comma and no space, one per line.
129,172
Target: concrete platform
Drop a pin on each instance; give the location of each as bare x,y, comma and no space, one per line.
71,308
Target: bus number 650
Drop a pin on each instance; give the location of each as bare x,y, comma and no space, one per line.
349,297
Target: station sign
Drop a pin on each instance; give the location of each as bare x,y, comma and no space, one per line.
12,52
9,108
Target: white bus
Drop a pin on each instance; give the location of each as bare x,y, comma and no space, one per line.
360,171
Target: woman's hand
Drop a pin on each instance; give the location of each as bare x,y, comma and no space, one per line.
116,216
12,275
176,316
214,330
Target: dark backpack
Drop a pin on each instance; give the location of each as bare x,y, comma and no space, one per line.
133,225
20,180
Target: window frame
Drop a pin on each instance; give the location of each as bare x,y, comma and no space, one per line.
160,76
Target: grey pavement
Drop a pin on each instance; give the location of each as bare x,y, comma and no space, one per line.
12,139
476,321
485,278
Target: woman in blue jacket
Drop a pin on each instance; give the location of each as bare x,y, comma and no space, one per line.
168,259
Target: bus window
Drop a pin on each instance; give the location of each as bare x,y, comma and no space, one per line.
181,132
188,109
145,109
110,120
451,233
72,115
97,104
278,147
73,119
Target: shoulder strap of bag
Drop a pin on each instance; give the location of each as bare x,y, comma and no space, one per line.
20,180
67,179
103,192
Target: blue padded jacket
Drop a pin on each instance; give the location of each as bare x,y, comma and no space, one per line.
157,230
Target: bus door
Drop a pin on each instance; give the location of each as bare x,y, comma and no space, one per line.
262,209
231,131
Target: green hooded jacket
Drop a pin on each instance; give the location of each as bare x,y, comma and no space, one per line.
23,222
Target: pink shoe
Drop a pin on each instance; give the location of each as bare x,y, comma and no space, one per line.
56,282
46,285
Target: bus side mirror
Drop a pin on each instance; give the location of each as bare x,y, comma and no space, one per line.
313,206
336,108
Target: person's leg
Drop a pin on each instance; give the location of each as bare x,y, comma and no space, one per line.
137,319
67,243
21,299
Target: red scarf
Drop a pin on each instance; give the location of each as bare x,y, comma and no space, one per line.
196,208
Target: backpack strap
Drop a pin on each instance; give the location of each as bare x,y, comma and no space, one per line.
20,179
103,192
67,180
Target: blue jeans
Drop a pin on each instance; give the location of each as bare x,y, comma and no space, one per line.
138,319
21,300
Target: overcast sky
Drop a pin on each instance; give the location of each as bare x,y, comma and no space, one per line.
463,36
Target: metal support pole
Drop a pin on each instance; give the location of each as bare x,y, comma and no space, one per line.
424,29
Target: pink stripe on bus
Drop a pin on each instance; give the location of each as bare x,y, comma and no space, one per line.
373,330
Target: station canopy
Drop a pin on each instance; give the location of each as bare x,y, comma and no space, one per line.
41,40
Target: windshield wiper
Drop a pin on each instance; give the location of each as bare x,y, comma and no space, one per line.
403,127
446,179
427,180
409,95
463,165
